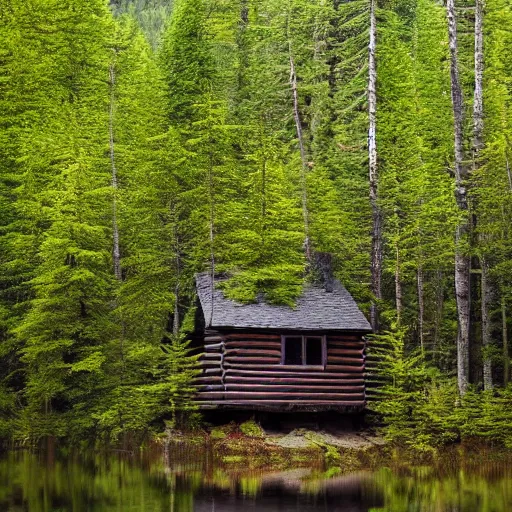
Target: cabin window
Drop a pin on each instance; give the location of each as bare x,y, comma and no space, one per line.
303,350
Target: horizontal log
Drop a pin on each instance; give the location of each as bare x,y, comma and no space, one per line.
212,371
209,364
258,395
249,336
345,352
305,403
276,345
253,352
278,371
344,337
280,367
210,355
343,368
344,360
213,339
213,347
203,388
291,380
261,359
332,346
213,379
294,388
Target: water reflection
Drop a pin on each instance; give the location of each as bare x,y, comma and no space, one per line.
122,482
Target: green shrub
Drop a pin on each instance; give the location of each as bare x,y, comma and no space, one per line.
251,429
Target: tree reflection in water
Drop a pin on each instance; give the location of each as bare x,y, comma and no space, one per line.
122,483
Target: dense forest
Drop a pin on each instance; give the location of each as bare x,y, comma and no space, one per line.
146,140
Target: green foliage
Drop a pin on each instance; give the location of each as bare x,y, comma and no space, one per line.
422,410
251,429
168,131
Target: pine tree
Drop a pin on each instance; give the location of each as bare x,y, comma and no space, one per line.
64,184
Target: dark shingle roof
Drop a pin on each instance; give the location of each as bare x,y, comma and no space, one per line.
315,309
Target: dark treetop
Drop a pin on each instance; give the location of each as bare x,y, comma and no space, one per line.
315,309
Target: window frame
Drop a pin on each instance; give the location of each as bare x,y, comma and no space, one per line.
323,341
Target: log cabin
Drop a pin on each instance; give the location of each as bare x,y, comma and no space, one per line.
309,358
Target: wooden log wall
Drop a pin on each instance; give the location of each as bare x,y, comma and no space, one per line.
243,369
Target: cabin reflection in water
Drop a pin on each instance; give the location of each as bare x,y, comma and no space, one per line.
281,493
277,358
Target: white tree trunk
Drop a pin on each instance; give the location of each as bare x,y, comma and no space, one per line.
421,308
177,268
509,174
478,104
302,149
398,288
439,290
116,249
486,301
506,358
376,256
478,144
462,261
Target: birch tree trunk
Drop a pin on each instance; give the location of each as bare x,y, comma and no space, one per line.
177,269
478,144
302,149
116,246
509,174
478,104
462,261
116,249
486,323
506,359
376,257
421,308
398,288
241,42
211,197
439,289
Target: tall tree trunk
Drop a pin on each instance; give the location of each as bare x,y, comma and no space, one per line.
244,12
421,308
242,44
116,249
177,270
462,261
506,358
509,174
478,144
211,197
302,149
486,323
439,289
398,288
478,104
376,257
116,246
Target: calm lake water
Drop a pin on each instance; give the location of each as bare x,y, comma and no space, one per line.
121,482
